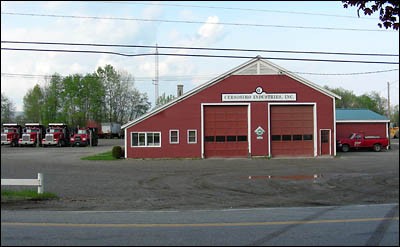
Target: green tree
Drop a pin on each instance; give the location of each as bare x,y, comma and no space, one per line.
70,113
394,118
52,100
111,81
139,104
348,98
7,109
33,101
103,96
93,97
122,101
388,11
372,101
163,99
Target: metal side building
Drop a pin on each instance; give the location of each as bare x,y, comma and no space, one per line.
361,120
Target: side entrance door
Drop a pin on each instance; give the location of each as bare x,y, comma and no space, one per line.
325,142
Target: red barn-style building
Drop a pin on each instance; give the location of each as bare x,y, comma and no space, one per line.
255,109
365,121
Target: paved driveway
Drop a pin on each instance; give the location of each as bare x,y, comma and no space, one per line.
351,178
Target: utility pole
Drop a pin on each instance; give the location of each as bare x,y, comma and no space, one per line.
388,125
156,78
388,85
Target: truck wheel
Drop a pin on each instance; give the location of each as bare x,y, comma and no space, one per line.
396,135
377,147
61,143
345,148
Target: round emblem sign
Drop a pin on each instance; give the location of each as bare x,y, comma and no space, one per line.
259,90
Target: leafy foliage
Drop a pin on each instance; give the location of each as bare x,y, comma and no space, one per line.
394,118
33,101
163,99
388,11
103,96
372,101
7,109
117,152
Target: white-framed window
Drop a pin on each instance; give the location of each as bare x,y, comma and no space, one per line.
146,139
173,136
192,136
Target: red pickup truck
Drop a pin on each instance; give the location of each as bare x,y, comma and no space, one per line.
359,140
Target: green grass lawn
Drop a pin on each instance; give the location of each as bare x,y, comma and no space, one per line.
102,156
8,195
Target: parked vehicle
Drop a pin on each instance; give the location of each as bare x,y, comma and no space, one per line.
111,130
394,131
57,134
33,134
11,132
359,140
106,130
85,137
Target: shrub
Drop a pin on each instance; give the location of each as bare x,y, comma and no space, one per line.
117,152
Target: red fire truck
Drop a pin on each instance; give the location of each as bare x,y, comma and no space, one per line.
33,135
56,134
10,134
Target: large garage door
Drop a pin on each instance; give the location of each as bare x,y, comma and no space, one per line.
292,131
225,131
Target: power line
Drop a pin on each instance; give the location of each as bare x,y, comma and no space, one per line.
241,9
196,22
355,73
197,48
180,77
136,78
199,55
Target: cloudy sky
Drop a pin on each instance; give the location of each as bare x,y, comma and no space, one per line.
288,26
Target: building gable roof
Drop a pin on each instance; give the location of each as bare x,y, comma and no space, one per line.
359,115
255,66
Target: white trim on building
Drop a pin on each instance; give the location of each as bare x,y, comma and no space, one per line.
257,60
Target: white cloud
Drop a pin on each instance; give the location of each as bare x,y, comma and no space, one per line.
96,31
53,5
211,29
76,31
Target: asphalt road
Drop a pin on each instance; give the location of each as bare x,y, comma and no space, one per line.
352,178
314,226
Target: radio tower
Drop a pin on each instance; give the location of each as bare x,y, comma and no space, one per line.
156,78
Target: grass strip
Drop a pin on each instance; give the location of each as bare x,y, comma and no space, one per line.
8,195
101,156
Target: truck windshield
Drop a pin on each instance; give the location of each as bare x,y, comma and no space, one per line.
55,130
82,132
9,130
32,130
355,136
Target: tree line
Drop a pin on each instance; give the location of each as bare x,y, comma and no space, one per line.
105,95
372,101
109,96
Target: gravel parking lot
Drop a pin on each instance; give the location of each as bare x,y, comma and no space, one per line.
363,177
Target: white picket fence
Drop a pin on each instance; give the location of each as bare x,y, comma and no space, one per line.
27,182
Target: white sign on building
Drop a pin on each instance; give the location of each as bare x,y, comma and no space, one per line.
259,95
